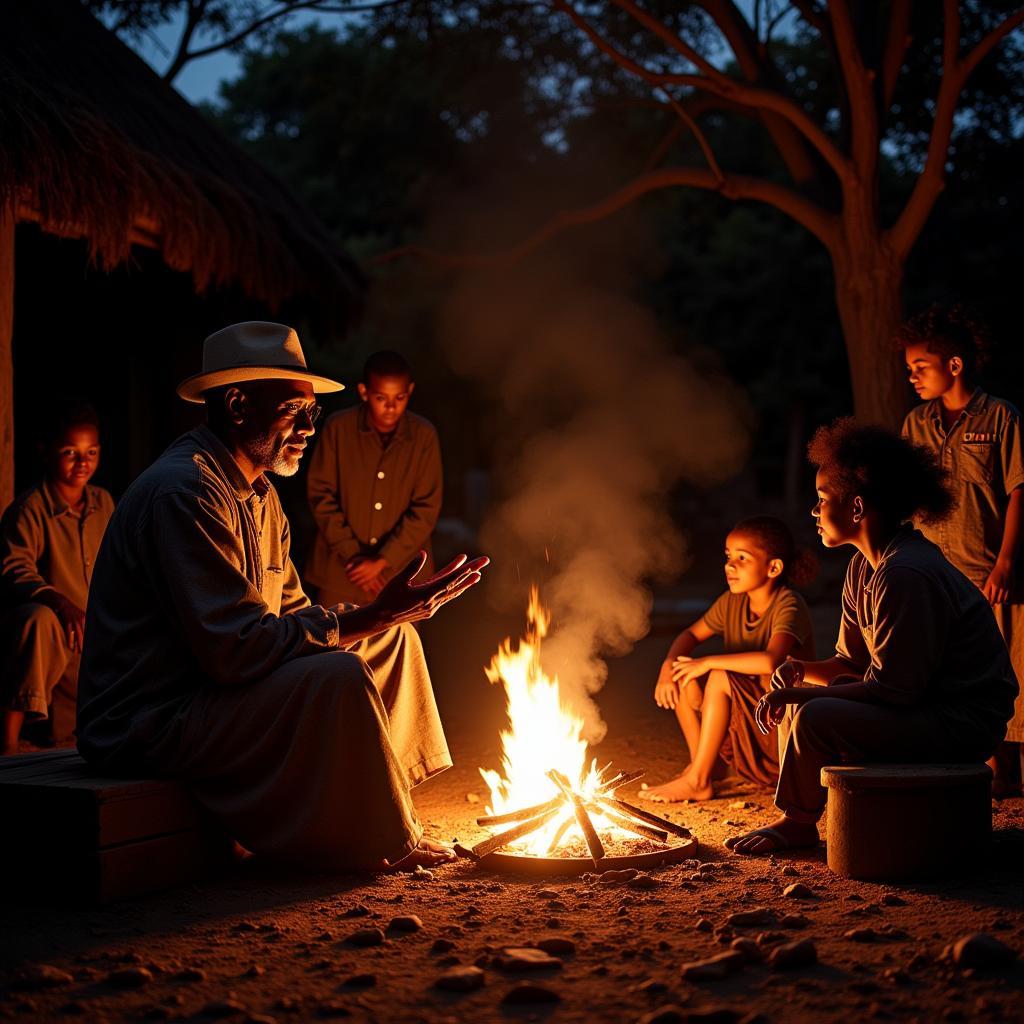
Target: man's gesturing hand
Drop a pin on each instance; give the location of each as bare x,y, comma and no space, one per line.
789,673
401,600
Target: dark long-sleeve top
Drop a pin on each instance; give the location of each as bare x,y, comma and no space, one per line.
369,498
921,632
193,587
44,545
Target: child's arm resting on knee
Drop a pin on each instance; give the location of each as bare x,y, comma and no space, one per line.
750,663
666,690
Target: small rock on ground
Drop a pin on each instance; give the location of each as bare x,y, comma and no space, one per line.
461,979
527,993
525,958
366,937
791,955
981,950
405,923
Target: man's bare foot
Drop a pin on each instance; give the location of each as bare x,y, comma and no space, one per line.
782,834
679,788
427,854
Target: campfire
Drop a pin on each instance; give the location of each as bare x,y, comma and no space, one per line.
546,799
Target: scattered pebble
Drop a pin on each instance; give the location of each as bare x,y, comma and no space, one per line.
526,958
980,950
703,925
862,935
643,882
890,899
442,946
405,923
613,877
557,945
365,980
472,798
789,871
460,979
221,1008
749,948
740,805
791,955
130,977
366,937
760,917
421,874
794,921
799,891
191,974
714,968
359,910
527,993
39,976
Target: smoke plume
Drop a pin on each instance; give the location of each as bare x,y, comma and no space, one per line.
598,420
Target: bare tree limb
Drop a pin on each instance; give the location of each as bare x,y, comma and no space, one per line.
813,15
667,141
859,82
822,224
752,63
185,56
989,43
896,46
650,77
955,72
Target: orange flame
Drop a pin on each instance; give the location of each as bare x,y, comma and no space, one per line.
543,734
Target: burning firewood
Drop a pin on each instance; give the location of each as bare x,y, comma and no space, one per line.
638,812
521,814
637,828
487,846
594,843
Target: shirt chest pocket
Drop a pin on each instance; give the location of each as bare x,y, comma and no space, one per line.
977,461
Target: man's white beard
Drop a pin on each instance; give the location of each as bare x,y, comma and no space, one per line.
265,451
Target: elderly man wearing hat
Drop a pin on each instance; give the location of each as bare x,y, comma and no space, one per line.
302,728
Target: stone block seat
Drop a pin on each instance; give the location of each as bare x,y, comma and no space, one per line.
907,821
75,836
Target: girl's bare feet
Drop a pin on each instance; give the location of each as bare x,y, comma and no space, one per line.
682,787
782,834
427,854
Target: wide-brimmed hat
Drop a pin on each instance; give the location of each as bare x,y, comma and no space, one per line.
254,350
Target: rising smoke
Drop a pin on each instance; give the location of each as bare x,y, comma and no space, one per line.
599,420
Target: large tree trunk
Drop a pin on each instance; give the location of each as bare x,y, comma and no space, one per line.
869,291
6,355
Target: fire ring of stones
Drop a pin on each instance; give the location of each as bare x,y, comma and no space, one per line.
626,816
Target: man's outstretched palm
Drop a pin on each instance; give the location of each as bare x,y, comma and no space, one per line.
402,600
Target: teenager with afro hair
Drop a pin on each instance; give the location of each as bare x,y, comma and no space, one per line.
920,673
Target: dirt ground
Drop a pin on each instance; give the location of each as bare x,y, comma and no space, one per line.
265,945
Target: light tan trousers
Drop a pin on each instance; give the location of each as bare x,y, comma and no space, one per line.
39,670
313,765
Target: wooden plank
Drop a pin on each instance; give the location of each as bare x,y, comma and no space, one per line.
55,796
7,222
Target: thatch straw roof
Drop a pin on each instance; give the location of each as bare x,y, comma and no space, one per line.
95,144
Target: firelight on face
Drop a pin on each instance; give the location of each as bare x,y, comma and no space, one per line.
833,515
746,563
930,374
75,458
386,400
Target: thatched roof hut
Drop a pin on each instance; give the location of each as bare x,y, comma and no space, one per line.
94,145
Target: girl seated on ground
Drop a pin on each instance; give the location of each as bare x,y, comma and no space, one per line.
920,672
762,621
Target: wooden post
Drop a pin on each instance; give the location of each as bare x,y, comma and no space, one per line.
7,221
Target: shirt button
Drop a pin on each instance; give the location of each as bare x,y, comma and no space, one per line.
380,474
373,540
377,505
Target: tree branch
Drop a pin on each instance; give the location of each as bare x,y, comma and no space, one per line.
955,72
196,8
813,15
820,223
859,82
990,42
720,85
896,46
752,63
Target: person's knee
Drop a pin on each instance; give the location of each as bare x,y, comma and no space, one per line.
37,620
718,682
815,722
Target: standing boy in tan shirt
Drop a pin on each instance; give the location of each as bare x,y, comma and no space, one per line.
977,439
374,487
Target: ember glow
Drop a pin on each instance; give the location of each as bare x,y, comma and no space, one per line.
543,734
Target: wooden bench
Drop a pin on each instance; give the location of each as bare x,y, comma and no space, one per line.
79,837
903,821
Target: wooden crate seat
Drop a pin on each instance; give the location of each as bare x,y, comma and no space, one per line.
78,836
905,821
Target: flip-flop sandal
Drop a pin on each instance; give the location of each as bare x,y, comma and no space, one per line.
781,842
